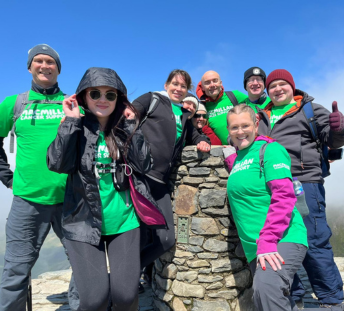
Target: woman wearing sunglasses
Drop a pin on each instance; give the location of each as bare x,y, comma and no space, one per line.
200,122
262,200
98,212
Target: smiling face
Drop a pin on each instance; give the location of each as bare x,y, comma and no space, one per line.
176,89
191,106
281,93
255,87
44,70
211,84
242,129
199,119
101,108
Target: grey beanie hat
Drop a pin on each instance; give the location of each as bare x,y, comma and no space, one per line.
46,50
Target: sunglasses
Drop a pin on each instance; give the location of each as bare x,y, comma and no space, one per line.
199,115
95,95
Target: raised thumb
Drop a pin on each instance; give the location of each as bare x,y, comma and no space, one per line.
334,107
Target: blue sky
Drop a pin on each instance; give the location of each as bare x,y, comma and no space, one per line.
144,40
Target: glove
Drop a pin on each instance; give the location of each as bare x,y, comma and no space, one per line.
336,119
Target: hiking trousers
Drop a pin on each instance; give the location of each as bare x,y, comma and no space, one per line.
27,226
319,262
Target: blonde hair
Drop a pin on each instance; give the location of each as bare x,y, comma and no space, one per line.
238,109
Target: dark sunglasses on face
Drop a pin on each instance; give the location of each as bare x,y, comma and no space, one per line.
110,96
199,115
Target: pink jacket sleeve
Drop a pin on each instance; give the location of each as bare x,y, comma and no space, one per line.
230,160
279,214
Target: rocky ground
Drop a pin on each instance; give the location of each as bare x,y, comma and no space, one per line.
50,291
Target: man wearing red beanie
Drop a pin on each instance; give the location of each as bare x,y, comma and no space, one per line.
284,120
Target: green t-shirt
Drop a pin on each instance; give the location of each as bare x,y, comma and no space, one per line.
217,112
255,105
35,129
177,111
117,217
250,197
277,112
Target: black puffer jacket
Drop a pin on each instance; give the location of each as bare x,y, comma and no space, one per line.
160,131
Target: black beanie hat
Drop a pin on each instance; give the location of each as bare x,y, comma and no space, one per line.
46,50
254,71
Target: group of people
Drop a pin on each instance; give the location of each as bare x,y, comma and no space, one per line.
95,167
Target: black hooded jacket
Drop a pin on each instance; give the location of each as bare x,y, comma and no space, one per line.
72,153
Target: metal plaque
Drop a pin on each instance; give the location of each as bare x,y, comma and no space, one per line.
183,230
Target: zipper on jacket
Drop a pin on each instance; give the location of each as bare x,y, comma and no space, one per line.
301,155
127,197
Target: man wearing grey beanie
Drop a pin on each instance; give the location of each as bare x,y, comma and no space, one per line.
38,192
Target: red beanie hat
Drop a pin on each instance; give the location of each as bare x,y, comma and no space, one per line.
280,74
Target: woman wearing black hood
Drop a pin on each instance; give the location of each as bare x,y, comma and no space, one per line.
98,211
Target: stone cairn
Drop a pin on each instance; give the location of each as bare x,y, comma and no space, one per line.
209,272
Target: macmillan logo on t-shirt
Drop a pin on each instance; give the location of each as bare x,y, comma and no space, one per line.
218,111
39,114
242,166
178,120
281,165
102,152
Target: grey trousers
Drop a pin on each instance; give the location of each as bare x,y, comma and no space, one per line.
91,275
27,226
272,288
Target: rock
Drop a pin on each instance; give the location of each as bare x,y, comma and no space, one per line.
188,276
196,240
194,181
340,263
204,271
223,265
209,279
192,164
182,268
245,302
211,198
204,226
218,305
169,271
216,211
207,255
158,265
223,183
214,245
225,222
162,295
190,154
175,177
63,275
181,254
187,302
194,249
161,306
182,170
187,290
207,186
164,284
186,200
199,171
213,286
241,279
221,172
198,263
167,257
212,161
229,232
239,251
178,305
212,179
178,261
216,151
226,294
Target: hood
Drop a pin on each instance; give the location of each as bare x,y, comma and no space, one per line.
203,97
97,76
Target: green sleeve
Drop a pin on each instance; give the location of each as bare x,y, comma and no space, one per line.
240,96
276,162
6,115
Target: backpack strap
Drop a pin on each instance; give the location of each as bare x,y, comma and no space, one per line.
232,98
261,157
154,101
19,107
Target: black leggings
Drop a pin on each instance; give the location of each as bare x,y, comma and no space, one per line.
162,239
91,275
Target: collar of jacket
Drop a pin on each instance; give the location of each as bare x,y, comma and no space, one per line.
49,91
301,99
203,97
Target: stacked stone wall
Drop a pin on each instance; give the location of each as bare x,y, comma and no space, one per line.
210,272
